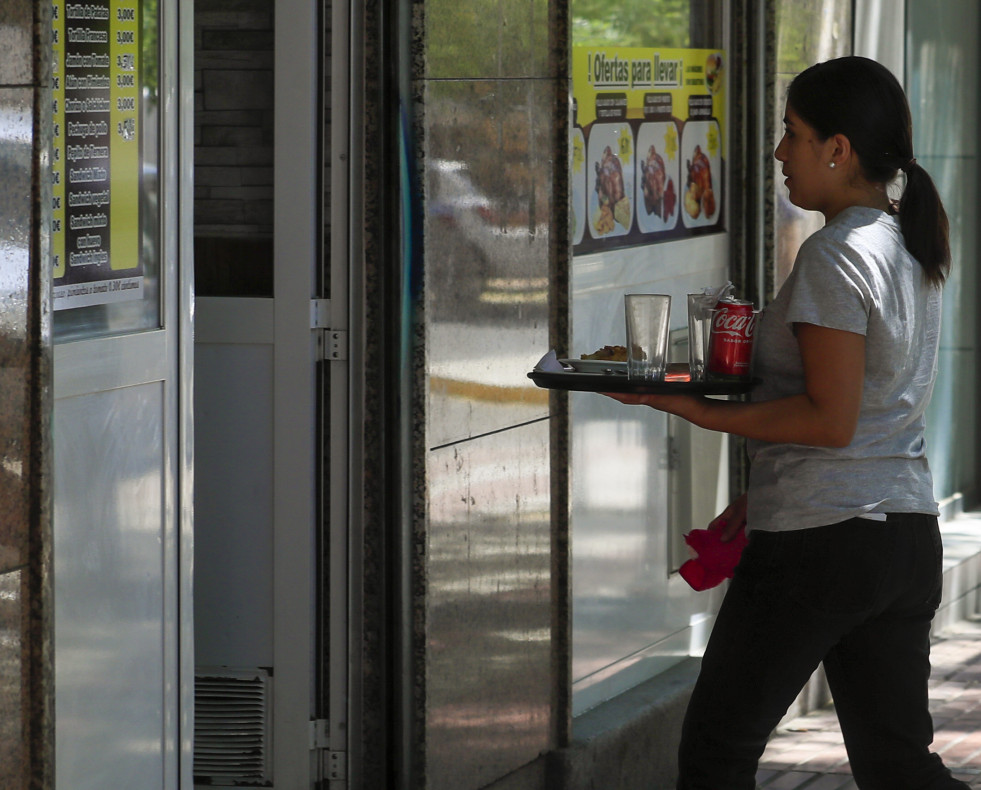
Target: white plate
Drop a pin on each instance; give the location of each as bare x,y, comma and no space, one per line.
595,365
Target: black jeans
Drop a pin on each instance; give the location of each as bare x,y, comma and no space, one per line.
859,596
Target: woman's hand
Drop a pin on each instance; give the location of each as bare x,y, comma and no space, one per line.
684,406
731,520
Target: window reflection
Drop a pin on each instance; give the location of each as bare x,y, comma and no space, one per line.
647,23
791,226
822,32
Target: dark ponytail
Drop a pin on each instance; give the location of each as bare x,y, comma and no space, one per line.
924,223
862,100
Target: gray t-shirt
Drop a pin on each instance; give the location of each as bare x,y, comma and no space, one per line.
854,274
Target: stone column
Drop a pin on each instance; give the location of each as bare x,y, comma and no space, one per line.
26,666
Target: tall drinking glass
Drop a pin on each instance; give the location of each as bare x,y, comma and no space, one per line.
699,322
647,335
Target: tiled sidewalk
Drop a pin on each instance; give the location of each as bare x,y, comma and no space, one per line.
807,753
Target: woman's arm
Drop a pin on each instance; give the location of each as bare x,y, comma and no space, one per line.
825,415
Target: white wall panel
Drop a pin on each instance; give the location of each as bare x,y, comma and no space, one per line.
111,613
233,505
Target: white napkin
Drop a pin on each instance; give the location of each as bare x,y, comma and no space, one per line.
709,298
550,363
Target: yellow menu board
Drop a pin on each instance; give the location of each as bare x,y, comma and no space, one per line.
96,154
648,147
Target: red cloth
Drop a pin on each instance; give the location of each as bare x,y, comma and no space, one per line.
713,561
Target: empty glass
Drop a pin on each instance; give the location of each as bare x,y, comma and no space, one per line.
647,335
699,321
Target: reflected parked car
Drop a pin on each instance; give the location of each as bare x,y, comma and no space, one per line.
480,260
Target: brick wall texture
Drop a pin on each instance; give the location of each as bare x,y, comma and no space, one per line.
233,146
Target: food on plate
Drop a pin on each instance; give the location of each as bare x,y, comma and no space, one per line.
654,178
699,195
604,222
621,212
611,353
692,206
658,189
708,202
610,193
670,199
609,178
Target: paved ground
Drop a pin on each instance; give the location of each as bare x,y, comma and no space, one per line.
807,753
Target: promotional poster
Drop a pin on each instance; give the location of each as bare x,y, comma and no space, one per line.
648,145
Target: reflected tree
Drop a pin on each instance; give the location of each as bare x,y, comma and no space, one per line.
631,23
150,55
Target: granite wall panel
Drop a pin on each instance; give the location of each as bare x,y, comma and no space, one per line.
13,755
16,135
17,42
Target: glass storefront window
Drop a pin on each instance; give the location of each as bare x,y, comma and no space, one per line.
648,169
802,39
105,164
942,86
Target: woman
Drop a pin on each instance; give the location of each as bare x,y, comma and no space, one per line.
844,557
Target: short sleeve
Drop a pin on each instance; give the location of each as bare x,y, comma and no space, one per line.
829,287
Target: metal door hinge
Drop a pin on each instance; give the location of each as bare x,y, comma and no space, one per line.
318,734
331,343
335,345
320,313
336,767
332,764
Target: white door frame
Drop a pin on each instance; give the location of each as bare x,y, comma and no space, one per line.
295,257
183,209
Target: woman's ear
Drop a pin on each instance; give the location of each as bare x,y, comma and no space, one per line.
841,149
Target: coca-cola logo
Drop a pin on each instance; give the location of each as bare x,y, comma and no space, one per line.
739,325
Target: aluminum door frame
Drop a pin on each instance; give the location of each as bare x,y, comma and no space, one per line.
296,258
302,145
344,399
87,367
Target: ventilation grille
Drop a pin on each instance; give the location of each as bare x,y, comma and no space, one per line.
232,713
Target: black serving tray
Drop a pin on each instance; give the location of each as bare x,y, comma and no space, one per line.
676,383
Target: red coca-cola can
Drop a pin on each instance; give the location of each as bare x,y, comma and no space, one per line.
730,351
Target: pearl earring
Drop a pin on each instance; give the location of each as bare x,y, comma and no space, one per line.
832,165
